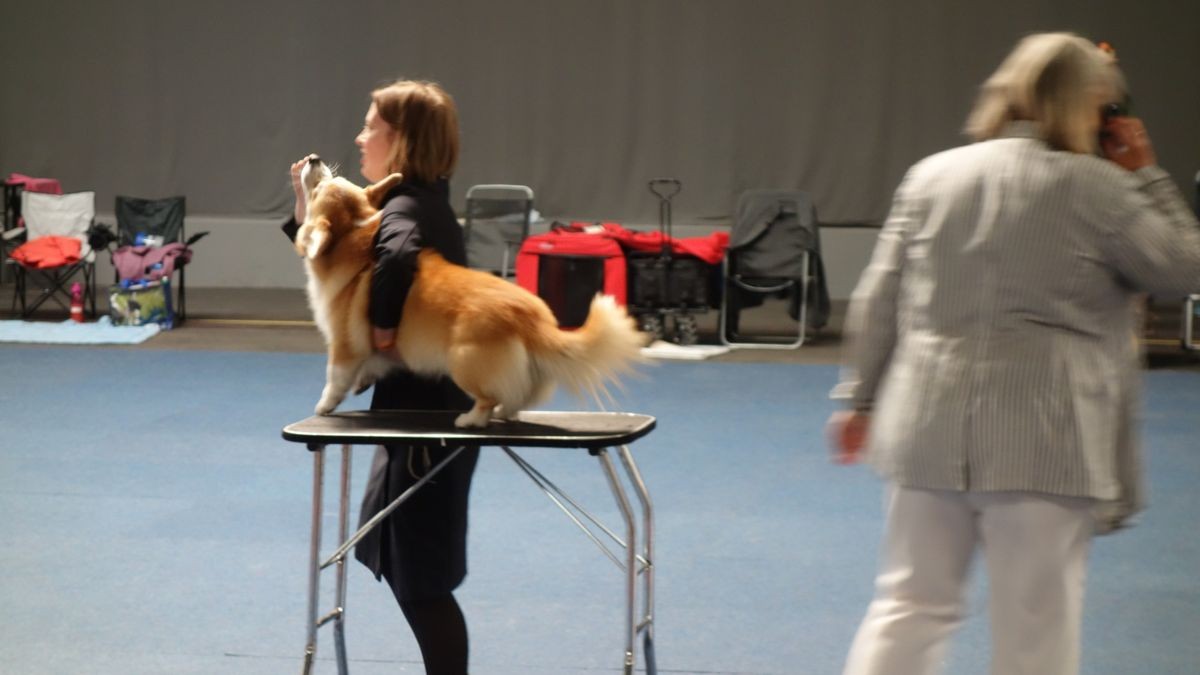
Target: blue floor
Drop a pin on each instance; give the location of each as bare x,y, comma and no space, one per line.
152,521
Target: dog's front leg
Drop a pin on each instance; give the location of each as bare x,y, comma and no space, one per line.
339,376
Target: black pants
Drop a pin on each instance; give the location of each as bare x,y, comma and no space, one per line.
421,548
438,625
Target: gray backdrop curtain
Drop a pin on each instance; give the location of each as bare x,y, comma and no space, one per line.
583,100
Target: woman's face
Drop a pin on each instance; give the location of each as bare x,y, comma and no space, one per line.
375,144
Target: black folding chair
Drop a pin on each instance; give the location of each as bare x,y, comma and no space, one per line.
162,219
10,238
774,249
497,221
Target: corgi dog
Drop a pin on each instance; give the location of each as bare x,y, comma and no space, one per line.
498,342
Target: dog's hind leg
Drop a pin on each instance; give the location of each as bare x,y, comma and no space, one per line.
479,416
483,371
539,391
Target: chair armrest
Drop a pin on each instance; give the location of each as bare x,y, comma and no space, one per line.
194,238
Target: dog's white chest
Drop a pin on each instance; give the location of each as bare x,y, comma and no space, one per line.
317,302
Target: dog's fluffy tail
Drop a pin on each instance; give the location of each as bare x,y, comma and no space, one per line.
586,360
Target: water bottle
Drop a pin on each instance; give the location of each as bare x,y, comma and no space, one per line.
76,302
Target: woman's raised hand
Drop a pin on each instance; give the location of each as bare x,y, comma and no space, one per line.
1127,144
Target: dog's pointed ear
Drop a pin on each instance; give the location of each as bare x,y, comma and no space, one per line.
376,192
312,239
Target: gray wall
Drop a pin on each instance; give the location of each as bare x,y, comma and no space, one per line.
584,100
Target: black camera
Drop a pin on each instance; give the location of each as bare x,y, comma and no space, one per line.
1112,110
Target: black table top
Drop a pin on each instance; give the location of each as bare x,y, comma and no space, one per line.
531,429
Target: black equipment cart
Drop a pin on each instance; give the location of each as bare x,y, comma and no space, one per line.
665,286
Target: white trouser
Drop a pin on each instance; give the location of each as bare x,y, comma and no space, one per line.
1035,548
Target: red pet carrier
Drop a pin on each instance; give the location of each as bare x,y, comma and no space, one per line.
568,269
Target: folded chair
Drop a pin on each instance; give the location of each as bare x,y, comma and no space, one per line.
151,231
774,250
497,221
1190,303
55,250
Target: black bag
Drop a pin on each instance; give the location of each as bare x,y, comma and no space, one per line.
659,282
568,283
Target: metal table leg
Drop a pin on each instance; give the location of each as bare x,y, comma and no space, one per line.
314,551
338,615
631,569
315,565
646,626
636,562
339,626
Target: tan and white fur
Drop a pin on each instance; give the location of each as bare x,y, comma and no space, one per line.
498,342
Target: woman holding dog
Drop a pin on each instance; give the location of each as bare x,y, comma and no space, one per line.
411,128
993,372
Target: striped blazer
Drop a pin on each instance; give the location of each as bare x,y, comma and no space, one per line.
992,333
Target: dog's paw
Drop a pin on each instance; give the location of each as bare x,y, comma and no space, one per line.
474,419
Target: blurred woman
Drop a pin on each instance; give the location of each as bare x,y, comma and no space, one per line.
993,372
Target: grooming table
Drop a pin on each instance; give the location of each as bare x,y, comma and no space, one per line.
595,432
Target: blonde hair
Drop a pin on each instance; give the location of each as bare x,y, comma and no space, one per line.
425,121
1053,80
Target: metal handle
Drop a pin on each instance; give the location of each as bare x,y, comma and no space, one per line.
665,188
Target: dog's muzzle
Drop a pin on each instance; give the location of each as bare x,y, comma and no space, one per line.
313,173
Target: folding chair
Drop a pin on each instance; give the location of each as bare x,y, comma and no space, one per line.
14,185
50,258
162,219
774,249
497,221
1187,335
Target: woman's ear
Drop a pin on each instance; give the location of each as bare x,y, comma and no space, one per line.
312,239
376,192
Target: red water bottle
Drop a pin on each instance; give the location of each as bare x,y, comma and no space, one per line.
76,302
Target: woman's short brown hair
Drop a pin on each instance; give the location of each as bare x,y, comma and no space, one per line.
1051,79
425,120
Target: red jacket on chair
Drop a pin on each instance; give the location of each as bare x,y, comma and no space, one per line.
46,252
